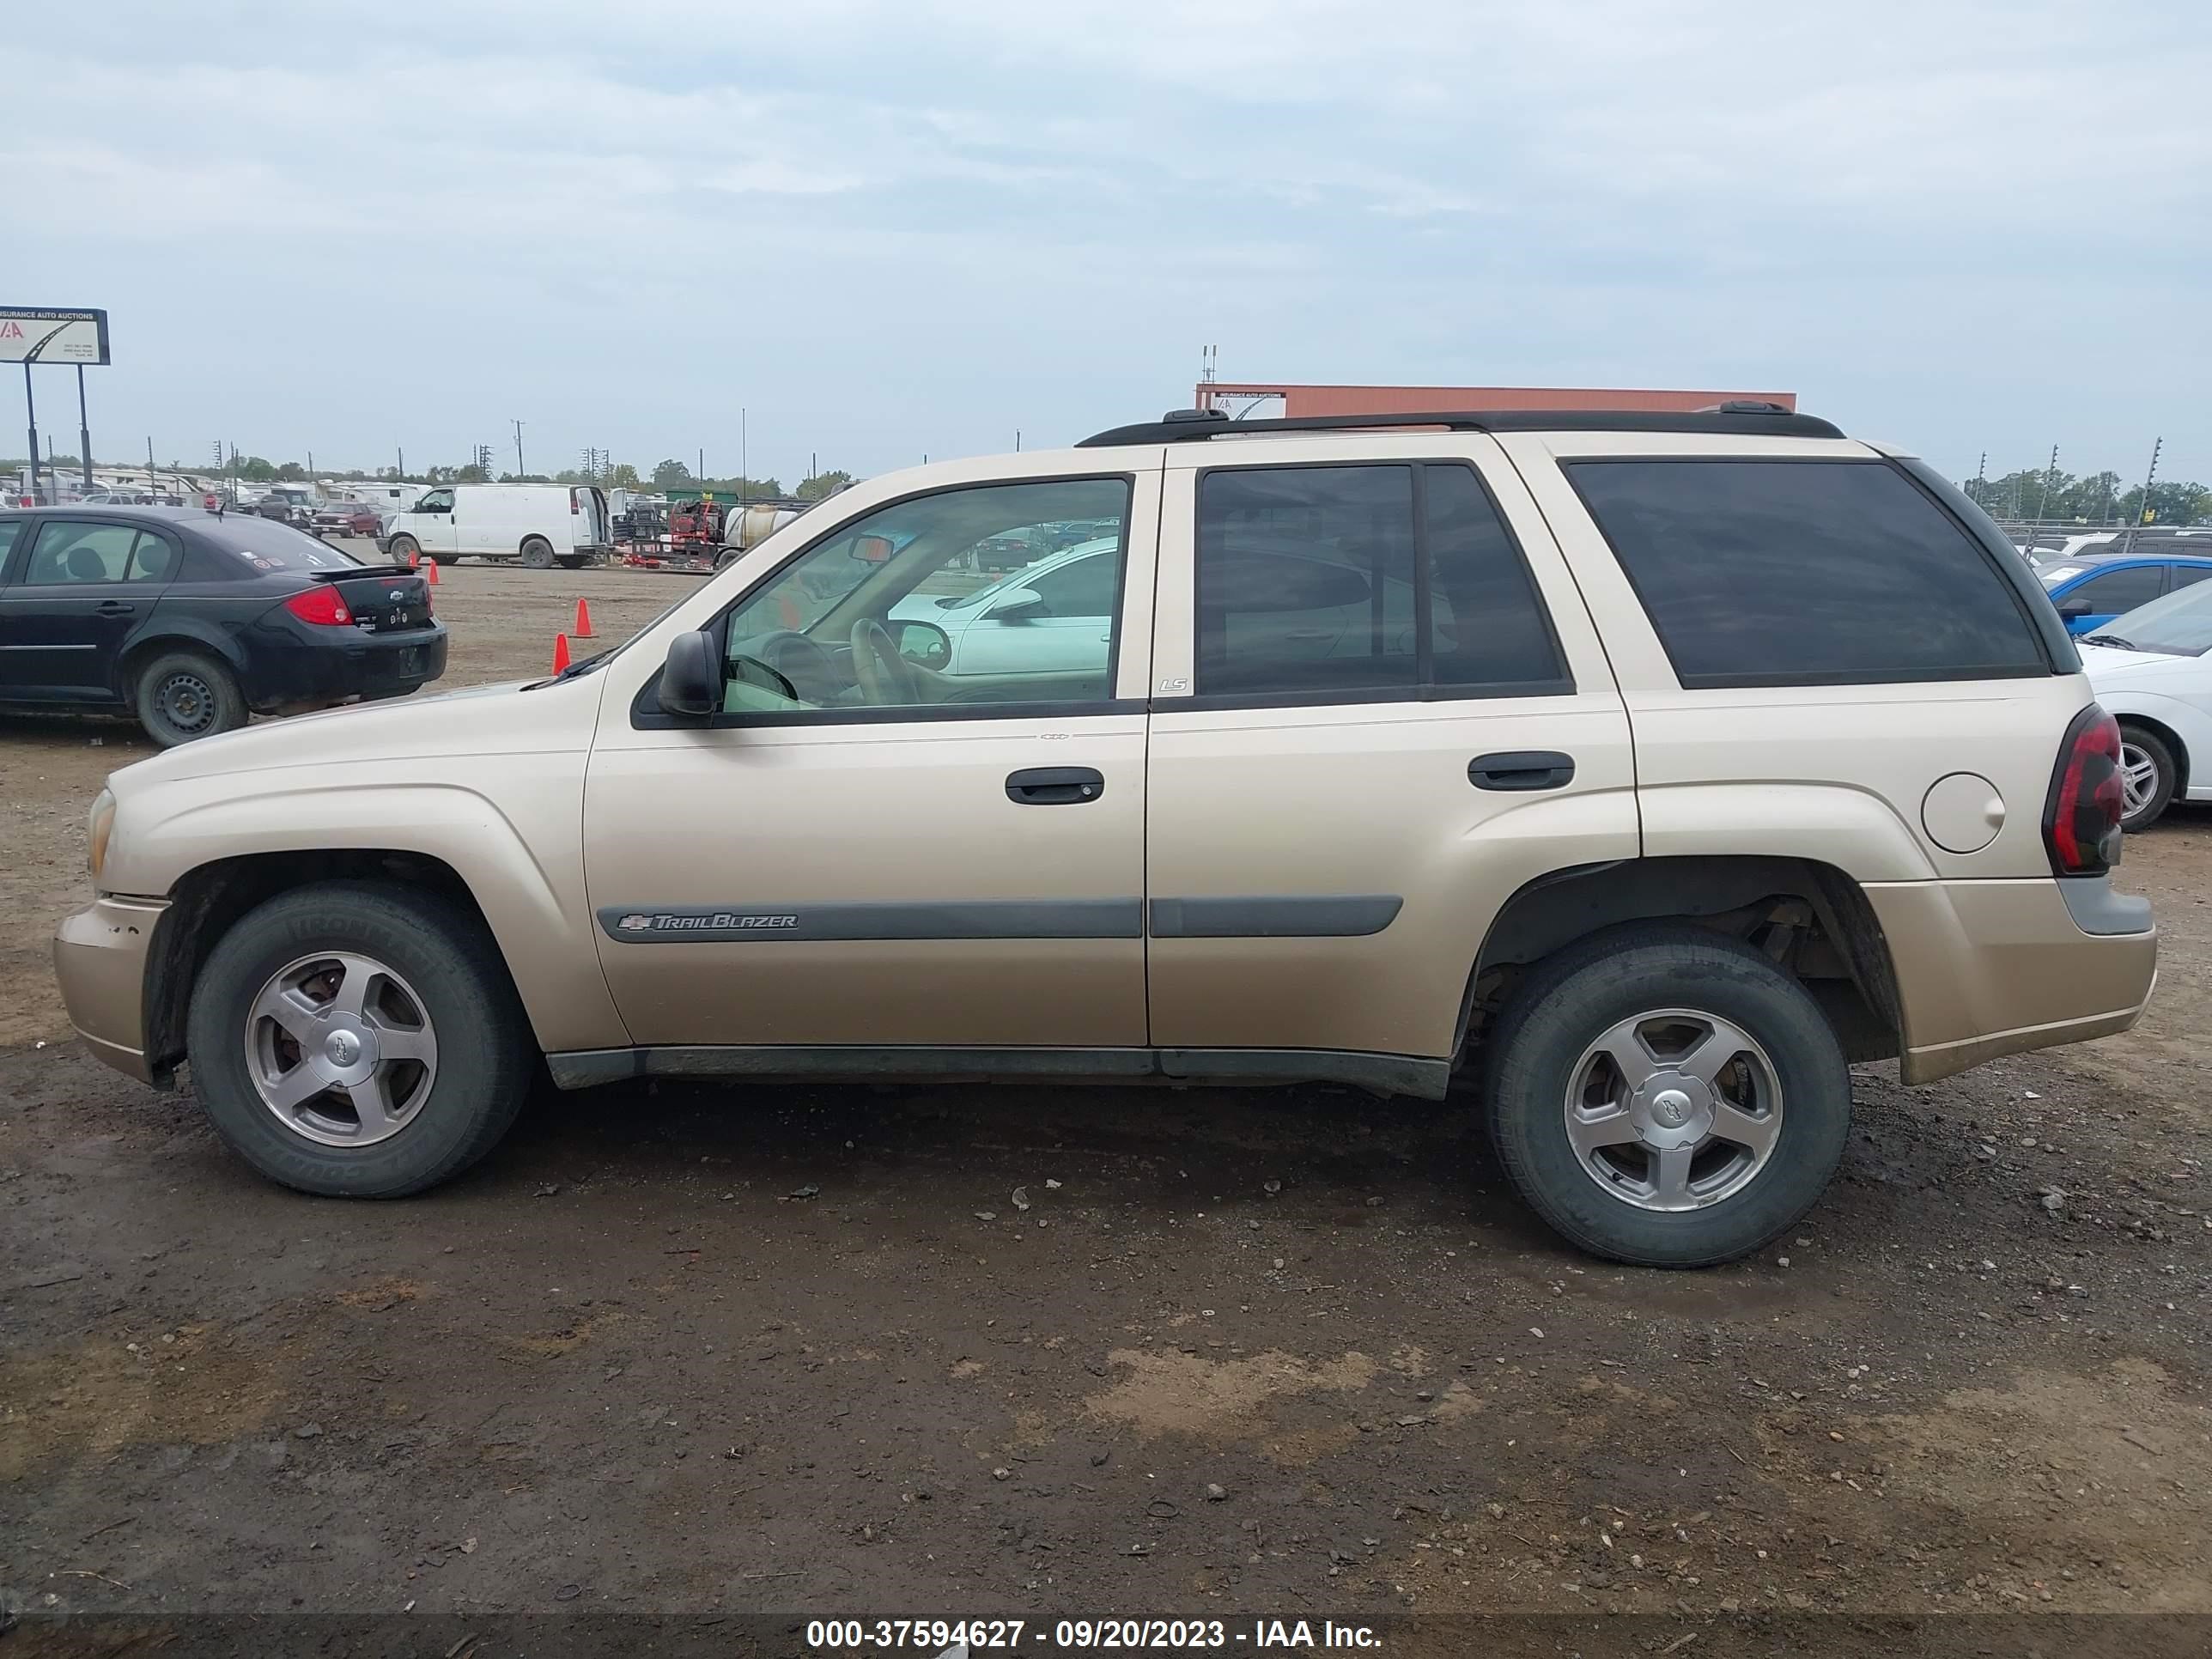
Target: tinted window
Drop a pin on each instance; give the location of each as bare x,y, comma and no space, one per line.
2114,591
2185,575
1487,626
10,528
1778,573
68,550
1312,581
265,544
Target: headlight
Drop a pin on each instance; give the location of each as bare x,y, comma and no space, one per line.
97,825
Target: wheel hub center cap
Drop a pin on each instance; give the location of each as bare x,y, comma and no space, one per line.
344,1048
1672,1110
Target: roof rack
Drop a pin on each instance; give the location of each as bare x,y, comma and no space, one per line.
1741,418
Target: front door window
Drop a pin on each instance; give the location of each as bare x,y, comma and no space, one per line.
890,612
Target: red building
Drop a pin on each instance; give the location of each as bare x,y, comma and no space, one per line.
1247,398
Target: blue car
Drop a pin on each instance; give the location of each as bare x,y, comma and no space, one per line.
2092,588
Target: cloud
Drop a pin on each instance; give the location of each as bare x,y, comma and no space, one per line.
886,229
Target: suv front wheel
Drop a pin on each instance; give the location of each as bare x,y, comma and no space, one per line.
1665,1095
358,1040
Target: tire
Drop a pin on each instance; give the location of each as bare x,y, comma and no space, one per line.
574,561
727,557
537,553
447,1111
181,695
445,558
2148,774
1666,984
404,548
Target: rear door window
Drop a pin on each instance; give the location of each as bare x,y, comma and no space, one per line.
1806,573
1325,583
72,553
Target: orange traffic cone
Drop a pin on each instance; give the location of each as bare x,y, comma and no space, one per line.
560,652
414,561
583,620
430,573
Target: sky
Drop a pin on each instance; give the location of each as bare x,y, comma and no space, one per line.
891,230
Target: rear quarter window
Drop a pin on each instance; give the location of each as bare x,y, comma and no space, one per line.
1807,572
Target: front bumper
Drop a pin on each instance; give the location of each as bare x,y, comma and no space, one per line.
100,957
1992,967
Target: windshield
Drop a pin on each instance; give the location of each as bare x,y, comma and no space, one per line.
265,544
2179,624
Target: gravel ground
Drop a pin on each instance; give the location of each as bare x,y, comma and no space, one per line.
955,1351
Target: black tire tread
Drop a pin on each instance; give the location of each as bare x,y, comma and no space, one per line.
416,916
231,710
1637,951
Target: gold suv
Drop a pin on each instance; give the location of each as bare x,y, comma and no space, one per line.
1640,771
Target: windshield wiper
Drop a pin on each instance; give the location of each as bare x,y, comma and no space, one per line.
2110,639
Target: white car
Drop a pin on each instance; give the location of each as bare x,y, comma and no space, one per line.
1057,609
2150,671
1053,613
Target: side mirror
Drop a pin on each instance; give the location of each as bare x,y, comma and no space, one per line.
690,680
2070,608
1019,604
925,643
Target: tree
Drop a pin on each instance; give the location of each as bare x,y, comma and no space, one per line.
2176,503
470,474
624,477
672,475
254,470
822,484
291,472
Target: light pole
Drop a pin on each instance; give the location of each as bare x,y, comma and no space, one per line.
519,468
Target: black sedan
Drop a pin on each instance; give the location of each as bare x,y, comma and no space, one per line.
191,620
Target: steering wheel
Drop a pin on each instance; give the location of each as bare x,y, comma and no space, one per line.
887,679
800,661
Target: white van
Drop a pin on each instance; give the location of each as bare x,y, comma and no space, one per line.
541,525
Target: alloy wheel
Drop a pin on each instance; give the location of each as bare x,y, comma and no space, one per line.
341,1048
1673,1109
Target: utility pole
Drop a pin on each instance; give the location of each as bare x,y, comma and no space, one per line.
150,484
2144,506
519,467
745,462
2043,495
1018,440
402,454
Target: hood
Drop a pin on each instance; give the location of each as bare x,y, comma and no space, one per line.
479,719
2106,663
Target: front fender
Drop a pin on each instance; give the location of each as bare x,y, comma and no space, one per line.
518,849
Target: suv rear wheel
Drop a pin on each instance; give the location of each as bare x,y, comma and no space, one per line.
1664,1094
358,1040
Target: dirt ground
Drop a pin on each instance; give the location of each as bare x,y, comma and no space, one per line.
951,1351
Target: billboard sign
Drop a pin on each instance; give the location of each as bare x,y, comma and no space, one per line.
52,334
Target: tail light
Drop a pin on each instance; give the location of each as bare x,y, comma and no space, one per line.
574,504
323,606
2081,819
